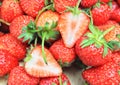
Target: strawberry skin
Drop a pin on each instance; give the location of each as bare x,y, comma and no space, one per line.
88,3
18,23
72,27
10,9
64,55
7,62
31,7
13,46
18,76
60,4
38,68
51,80
101,14
107,74
91,55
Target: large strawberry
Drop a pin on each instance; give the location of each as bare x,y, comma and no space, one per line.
57,80
7,62
72,25
18,76
60,5
31,7
35,65
107,74
13,46
65,56
18,23
10,9
88,3
101,14
92,48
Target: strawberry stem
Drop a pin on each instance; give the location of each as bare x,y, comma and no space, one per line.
1,20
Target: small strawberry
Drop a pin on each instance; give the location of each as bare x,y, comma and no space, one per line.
58,80
65,56
35,65
107,74
92,49
18,76
18,23
88,3
100,14
60,5
31,7
7,62
13,46
72,25
10,9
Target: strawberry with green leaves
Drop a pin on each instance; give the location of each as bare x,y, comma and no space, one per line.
10,9
72,25
37,67
57,80
65,56
31,7
7,62
18,76
92,48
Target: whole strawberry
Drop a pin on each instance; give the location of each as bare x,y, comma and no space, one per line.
100,14
18,76
57,80
10,9
31,7
88,3
7,62
107,74
65,56
13,46
18,23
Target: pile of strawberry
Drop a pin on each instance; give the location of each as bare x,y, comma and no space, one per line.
48,35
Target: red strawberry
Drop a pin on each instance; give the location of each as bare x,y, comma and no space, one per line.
88,3
37,67
107,74
31,7
7,62
55,80
101,14
13,46
18,76
65,56
10,9
72,25
18,23
60,5
116,15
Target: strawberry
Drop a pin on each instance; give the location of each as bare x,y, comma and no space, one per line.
10,9
31,7
72,25
60,5
92,49
18,76
7,62
116,15
65,56
13,46
57,80
47,16
18,23
88,3
35,65
107,74
100,14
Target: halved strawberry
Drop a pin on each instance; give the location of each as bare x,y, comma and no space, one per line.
36,66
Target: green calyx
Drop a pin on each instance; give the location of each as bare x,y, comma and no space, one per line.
119,72
75,10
